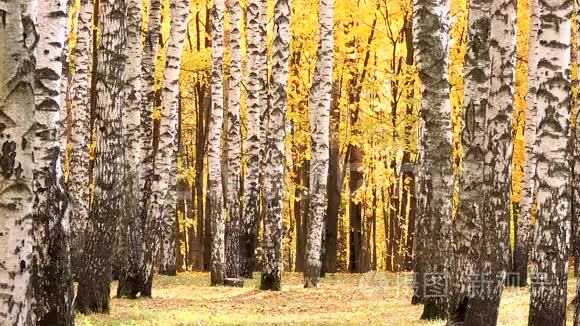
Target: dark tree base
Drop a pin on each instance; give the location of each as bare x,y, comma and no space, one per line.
416,300
148,287
311,276
431,311
270,282
482,311
168,271
234,282
90,300
129,288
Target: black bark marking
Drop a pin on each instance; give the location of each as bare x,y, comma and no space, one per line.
7,160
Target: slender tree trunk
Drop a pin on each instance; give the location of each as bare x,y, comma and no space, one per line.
18,36
550,256
334,185
234,139
129,256
275,158
52,278
93,293
166,148
469,224
483,307
78,180
169,234
256,84
435,181
215,191
522,239
320,101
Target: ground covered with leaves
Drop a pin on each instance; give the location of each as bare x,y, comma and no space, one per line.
345,299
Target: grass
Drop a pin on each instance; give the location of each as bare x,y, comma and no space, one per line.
345,299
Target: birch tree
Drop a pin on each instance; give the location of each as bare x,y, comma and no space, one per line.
256,55
469,223
320,100
167,130
128,253
522,242
435,177
78,180
167,265
53,288
93,293
275,153
215,203
552,143
234,138
18,36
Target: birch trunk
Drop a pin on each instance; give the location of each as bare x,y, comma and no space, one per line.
215,199
93,293
435,178
53,288
18,36
320,100
78,180
257,81
234,139
167,132
170,228
469,224
275,158
551,238
522,241
483,307
129,255
143,235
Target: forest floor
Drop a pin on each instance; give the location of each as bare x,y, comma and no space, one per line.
345,299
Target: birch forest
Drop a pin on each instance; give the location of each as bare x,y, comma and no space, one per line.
289,162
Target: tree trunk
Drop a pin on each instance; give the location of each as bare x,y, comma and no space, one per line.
275,158
93,293
169,234
78,180
52,278
256,84
435,181
16,162
469,224
234,140
549,259
166,149
522,237
320,101
334,185
483,307
215,191
129,255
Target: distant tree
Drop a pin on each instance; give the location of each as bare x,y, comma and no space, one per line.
215,191
275,158
93,293
553,173
320,101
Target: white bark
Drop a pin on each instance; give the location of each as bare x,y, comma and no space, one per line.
168,127
93,293
215,195
257,104
275,156
52,274
18,38
234,139
320,100
552,146
78,181
435,177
